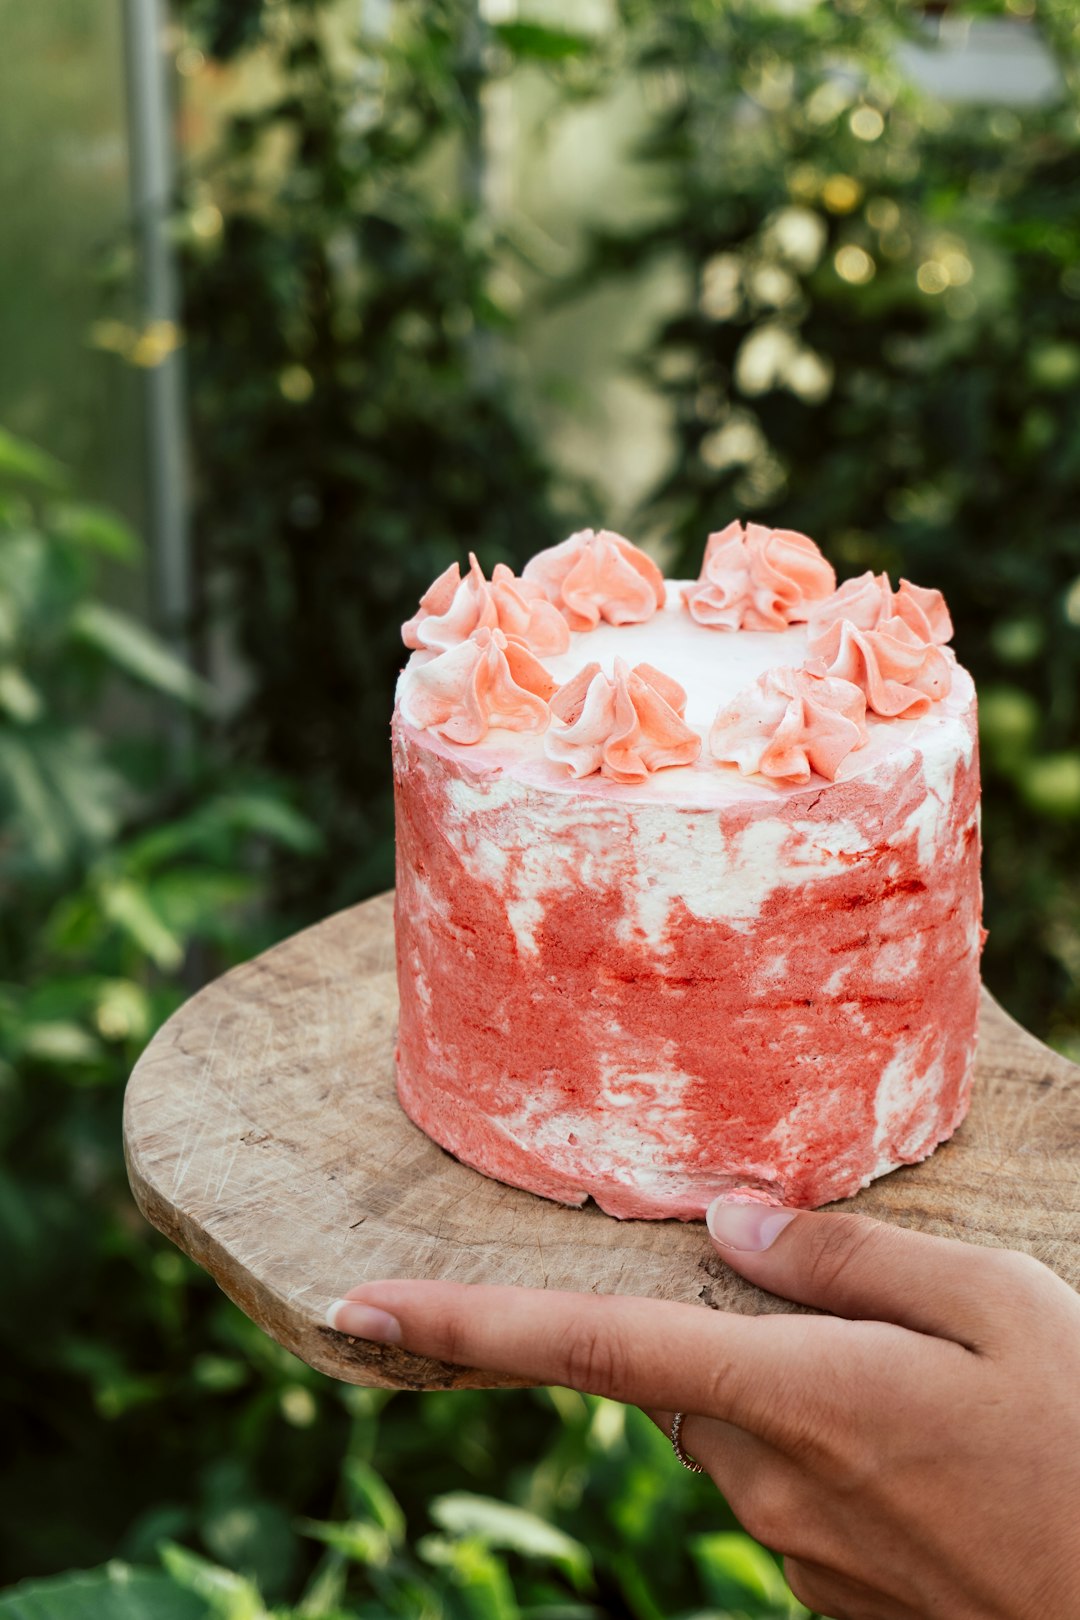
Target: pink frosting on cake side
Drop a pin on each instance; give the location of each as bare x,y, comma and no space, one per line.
758,579
598,575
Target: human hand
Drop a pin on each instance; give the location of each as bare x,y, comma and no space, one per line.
914,1454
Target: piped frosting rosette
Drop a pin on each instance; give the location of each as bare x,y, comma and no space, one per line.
453,608
489,680
889,643
624,726
597,575
790,724
758,579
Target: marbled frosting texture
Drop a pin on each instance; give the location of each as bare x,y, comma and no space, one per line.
647,994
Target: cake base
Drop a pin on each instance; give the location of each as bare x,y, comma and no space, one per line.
478,1143
264,1137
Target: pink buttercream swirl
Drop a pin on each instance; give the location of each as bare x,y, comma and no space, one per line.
453,608
625,726
489,680
758,579
598,575
890,643
790,724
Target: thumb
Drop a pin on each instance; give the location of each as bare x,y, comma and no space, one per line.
861,1268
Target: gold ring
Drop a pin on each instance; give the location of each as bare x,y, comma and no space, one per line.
684,1457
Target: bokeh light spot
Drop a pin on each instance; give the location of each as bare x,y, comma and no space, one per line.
882,213
155,343
867,124
206,221
797,235
296,384
841,193
957,267
932,277
854,264
721,280
190,61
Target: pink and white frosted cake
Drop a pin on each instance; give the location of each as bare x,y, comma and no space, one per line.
688,874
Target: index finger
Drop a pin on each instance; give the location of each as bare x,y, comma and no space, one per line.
644,1352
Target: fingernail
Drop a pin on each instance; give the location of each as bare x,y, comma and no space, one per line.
750,1227
364,1322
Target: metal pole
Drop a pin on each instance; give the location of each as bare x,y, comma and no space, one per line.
152,199
480,346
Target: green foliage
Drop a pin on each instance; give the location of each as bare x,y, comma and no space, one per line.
115,1592
489,1560
110,883
341,330
738,1573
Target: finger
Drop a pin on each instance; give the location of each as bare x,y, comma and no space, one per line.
643,1352
777,1503
727,1453
715,1442
861,1268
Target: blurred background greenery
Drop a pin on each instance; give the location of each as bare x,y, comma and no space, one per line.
456,275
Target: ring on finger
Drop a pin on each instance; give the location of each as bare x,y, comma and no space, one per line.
688,1462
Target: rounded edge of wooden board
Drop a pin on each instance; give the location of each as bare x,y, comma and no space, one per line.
349,1360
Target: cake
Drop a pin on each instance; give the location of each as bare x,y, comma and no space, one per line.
687,874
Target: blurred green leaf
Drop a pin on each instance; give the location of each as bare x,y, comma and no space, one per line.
122,1010
480,1578
498,1524
528,40
563,1611
24,462
196,899
219,1375
735,1571
268,815
138,653
19,698
225,1594
83,784
31,805
358,1540
115,1592
96,528
59,1043
253,1536
129,907
325,1593
368,1493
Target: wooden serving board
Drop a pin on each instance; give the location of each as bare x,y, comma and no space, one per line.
263,1136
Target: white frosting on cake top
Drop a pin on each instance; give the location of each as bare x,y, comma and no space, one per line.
710,665
713,666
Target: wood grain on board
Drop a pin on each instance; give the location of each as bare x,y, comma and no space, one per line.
264,1138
